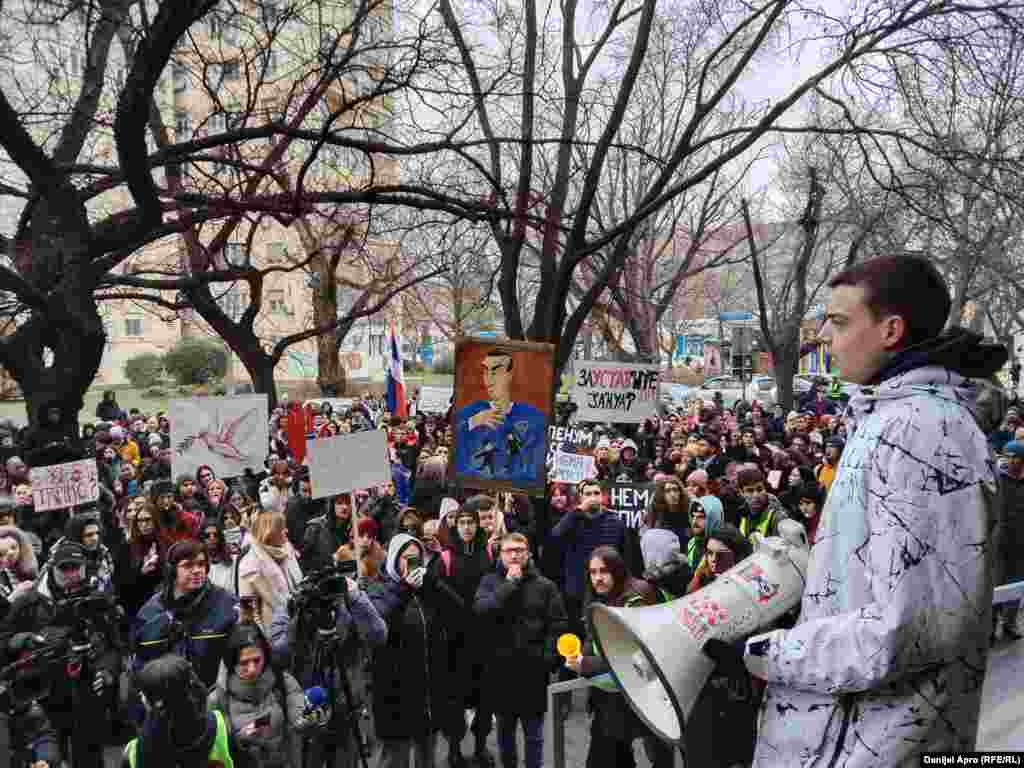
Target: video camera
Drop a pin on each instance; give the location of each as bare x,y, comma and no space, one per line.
317,594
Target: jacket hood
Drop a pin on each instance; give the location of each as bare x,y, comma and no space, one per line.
932,380
398,542
957,349
714,513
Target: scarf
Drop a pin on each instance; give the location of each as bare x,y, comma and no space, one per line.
278,553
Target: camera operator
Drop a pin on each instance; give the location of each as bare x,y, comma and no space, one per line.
32,738
189,616
328,601
65,611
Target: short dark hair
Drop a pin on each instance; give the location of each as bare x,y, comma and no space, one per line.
501,353
904,285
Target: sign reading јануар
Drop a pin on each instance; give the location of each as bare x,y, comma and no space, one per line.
620,393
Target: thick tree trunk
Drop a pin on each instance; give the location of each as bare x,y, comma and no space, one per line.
330,372
785,363
68,325
261,371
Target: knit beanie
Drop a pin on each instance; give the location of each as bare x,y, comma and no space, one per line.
749,476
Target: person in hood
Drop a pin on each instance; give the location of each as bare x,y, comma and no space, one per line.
188,616
326,534
412,692
706,516
665,565
521,615
885,662
629,468
54,438
179,730
78,708
85,529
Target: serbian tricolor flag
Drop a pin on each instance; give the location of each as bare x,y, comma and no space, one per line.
396,382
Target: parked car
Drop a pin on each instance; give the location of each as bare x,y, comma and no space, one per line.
803,382
762,389
674,395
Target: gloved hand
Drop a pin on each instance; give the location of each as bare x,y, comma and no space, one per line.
415,578
100,682
728,660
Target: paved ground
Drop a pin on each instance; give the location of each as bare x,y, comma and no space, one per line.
1001,725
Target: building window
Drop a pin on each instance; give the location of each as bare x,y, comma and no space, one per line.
214,76
275,253
275,302
179,73
377,344
217,123
271,11
182,122
232,71
133,326
234,253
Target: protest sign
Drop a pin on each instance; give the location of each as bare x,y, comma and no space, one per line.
348,462
434,399
629,501
621,393
570,454
64,485
228,434
572,467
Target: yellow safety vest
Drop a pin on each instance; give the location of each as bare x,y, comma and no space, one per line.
220,755
609,682
762,527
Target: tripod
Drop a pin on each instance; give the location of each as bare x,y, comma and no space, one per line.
328,667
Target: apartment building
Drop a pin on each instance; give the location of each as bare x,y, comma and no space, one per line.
247,63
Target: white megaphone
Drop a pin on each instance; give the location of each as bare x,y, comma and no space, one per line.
655,652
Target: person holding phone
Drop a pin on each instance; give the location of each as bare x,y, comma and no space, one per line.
262,705
413,696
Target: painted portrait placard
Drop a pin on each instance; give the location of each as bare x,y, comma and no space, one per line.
504,392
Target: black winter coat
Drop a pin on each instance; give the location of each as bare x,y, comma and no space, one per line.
412,687
522,622
467,567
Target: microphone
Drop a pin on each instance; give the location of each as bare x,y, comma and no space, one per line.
315,698
317,711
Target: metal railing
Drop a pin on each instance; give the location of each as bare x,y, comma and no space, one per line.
1003,594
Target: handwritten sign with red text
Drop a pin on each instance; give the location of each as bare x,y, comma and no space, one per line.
64,485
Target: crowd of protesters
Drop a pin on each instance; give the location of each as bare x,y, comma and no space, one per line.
201,647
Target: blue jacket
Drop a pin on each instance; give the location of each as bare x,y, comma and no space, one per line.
580,537
206,627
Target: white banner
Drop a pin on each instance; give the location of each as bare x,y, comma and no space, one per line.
225,433
348,462
434,400
620,393
64,485
572,468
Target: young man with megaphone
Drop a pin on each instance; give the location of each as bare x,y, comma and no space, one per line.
888,657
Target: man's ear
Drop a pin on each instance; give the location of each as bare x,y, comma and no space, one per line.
894,331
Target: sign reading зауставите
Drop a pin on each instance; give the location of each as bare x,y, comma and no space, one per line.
616,392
